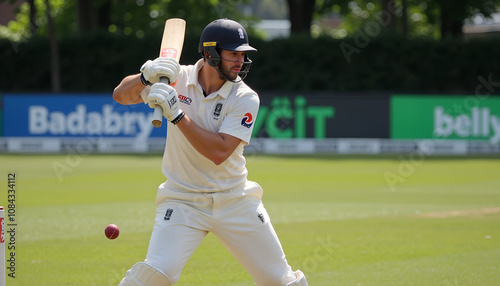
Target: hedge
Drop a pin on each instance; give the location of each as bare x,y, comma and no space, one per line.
97,63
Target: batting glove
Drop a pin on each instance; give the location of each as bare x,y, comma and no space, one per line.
152,71
165,96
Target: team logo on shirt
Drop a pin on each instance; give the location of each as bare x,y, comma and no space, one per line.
261,217
168,214
217,110
247,120
185,99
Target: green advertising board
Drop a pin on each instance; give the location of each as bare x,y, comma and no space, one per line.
445,117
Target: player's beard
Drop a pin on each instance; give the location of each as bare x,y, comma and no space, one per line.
228,76
227,72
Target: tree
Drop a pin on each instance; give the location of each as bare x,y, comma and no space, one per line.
135,18
388,5
436,18
301,15
33,24
93,15
453,13
54,51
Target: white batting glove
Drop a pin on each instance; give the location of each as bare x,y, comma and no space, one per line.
152,71
165,96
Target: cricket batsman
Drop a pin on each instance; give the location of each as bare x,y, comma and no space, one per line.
212,114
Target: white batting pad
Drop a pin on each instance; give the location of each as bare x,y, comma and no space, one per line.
143,274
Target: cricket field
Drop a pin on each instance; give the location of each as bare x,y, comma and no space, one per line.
342,220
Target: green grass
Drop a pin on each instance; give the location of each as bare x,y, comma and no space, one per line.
339,219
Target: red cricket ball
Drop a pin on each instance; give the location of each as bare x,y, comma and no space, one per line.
112,231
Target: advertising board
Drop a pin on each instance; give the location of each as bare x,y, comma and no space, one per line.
70,115
296,116
445,117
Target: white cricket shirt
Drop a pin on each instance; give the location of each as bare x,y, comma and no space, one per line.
231,110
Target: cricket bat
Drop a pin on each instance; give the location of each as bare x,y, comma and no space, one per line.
171,47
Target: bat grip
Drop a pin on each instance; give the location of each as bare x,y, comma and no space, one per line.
158,113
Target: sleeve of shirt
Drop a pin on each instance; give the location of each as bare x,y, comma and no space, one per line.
240,119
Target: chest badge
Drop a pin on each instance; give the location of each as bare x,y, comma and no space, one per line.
217,110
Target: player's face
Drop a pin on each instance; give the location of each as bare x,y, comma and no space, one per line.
231,63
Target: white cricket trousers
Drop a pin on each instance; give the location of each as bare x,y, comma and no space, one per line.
236,217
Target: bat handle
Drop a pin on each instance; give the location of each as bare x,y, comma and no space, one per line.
157,117
158,113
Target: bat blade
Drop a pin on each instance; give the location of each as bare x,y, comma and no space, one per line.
171,47
173,38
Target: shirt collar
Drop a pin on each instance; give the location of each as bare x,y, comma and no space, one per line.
193,80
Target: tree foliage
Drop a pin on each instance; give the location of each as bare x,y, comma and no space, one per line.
413,18
79,17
